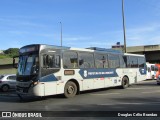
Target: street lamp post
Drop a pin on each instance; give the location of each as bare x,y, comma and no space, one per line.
61,33
124,31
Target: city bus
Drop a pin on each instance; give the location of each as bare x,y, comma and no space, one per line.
45,70
152,69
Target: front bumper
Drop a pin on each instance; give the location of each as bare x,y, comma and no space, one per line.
33,90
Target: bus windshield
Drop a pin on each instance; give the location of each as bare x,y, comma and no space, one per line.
28,65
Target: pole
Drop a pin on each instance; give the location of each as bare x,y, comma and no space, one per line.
61,34
124,31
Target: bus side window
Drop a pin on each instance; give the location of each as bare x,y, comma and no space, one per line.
70,60
123,62
51,61
101,61
45,61
86,60
148,69
113,61
126,60
141,62
57,61
134,62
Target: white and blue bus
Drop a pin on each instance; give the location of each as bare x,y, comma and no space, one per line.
45,70
151,71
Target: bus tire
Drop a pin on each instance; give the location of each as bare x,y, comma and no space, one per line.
70,89
125,82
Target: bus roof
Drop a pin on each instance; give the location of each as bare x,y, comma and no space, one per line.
133,54
105,50
91,49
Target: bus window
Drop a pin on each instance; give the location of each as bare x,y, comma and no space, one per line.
148,69
101,61
113,61
122,61
154,68
86,60
133,62
141,62
51,61
70,60
126,60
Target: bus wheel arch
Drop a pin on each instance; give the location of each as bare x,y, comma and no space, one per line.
71,88
125,82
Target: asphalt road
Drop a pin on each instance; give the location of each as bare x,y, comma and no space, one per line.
144,96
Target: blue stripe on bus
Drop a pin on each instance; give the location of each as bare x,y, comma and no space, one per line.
48,78
98,73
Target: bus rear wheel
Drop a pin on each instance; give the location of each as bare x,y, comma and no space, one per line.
70,89
125,82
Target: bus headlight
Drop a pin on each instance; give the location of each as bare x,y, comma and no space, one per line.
34,84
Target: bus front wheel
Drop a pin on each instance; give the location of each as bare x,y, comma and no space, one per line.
70,89
125,82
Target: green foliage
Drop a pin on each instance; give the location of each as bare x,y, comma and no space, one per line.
12,52
3,56
9,53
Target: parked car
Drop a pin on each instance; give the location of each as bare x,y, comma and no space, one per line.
7,82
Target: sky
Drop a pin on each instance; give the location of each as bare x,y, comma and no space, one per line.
85,23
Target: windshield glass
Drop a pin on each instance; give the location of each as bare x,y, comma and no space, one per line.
28,65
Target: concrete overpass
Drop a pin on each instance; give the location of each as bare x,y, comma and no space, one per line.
152,52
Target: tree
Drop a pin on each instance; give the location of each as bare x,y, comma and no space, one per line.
12,52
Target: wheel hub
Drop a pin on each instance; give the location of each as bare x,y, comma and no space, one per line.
70,89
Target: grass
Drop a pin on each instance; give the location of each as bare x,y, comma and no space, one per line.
4,56
5,61
8,71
